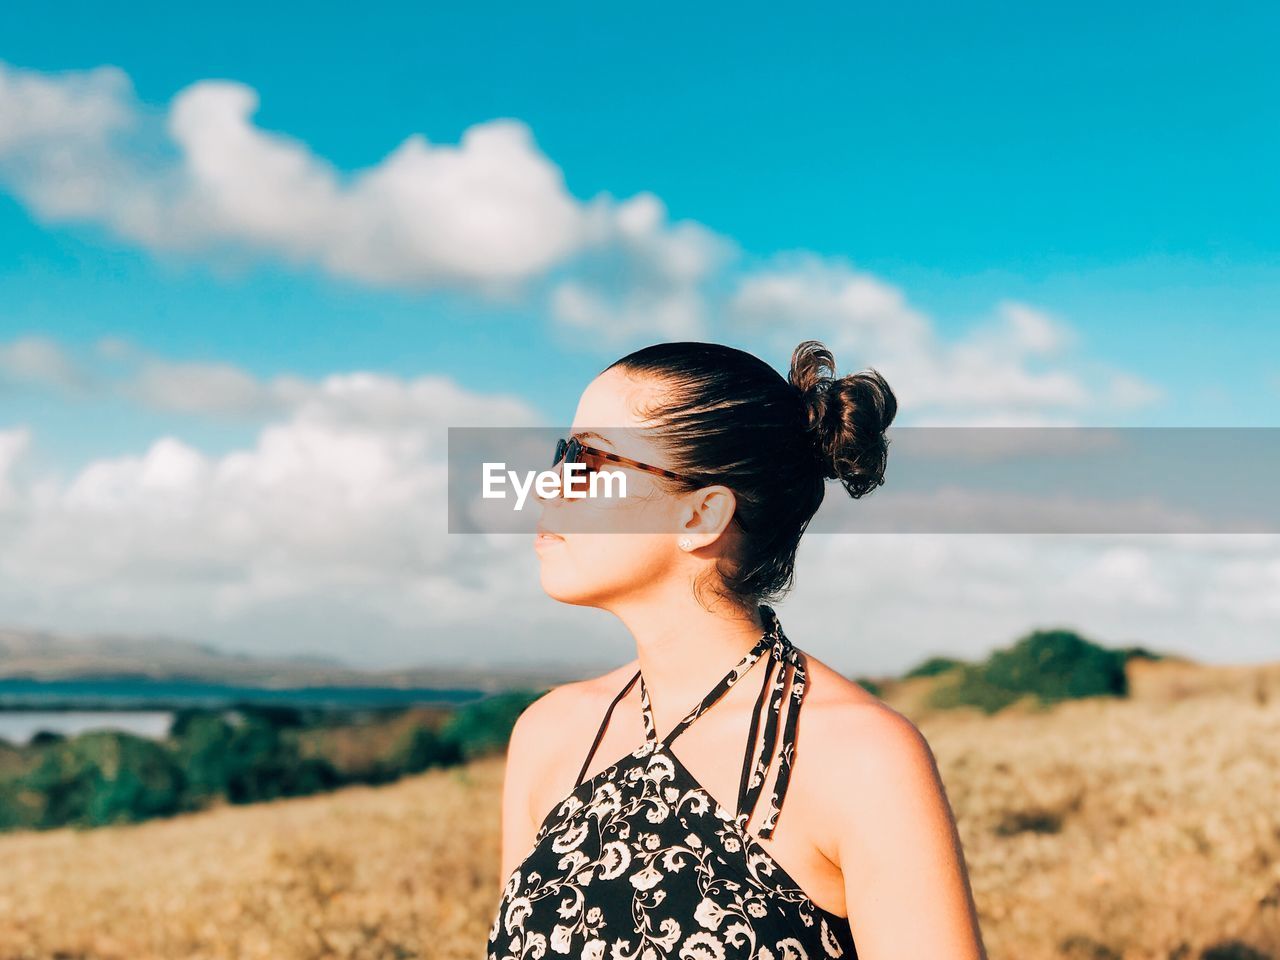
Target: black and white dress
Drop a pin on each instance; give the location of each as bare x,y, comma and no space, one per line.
641,863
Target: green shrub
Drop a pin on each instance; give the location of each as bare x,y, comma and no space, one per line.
261,764
19,807
1233,950
1049,665
932,667
1081,947
1140,653
104,777
484,726
203,749
972,688
422,747
869,685
1058,665
245,755
255,758
1033,820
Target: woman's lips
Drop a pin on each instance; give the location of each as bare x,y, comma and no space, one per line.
546,539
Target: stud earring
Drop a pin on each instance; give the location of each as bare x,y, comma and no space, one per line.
684,543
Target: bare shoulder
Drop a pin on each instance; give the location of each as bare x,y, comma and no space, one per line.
868,754
572,704
888,826
541,740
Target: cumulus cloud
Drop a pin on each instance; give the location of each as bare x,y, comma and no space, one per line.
853,310
1015,370
491,209
337,507
491,215
488,215
326,533
36,109
119,368
884,603
223,390
41,361
641,274
209,388
13,446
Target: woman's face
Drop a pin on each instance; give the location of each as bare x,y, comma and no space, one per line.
602,551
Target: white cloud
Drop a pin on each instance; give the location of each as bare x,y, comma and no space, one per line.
491,209
1121,575
339,505
39,110
327,531
1033,332
39,360
996,374
13,446
216,389
326,534
1247,590
641,274
487,215
879,604
208,388
492,216
854,311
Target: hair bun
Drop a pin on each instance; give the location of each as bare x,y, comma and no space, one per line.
846,416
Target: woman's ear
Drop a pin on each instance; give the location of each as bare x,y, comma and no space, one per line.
708,511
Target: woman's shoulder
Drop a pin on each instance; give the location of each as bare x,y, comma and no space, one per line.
843,706
874,775
862,745
576,702
555,731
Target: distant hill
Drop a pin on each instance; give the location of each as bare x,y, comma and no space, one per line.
1048,666
45,655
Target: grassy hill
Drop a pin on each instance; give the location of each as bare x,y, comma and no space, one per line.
1102,828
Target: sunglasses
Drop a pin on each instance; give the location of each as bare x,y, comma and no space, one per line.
574,450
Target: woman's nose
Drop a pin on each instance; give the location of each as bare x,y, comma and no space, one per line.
554,496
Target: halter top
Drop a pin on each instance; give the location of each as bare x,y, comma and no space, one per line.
640,862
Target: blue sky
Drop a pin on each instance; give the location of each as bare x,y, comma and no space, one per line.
1095,184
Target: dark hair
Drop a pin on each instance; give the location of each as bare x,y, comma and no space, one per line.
728,417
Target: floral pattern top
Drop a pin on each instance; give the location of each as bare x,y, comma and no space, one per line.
640,862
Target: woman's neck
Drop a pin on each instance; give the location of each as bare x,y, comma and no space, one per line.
684,649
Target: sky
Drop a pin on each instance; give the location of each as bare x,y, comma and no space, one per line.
255,261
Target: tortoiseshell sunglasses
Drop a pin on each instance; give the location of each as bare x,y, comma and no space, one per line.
574,450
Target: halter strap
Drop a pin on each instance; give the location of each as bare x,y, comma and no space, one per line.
781,652
716,692
603,724
786,754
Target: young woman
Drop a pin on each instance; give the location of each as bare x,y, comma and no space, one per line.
648,852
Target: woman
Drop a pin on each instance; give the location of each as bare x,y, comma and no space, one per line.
648,852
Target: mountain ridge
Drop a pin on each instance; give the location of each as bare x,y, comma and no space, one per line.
48,655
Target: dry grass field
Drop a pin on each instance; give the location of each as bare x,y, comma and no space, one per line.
1147,828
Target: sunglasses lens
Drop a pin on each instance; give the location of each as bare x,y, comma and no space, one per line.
561,446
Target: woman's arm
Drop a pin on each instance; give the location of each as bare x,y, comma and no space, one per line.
906,886
523,752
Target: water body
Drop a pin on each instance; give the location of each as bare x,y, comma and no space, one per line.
143,693
19,726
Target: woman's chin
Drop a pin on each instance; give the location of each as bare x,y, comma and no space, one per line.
568,591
